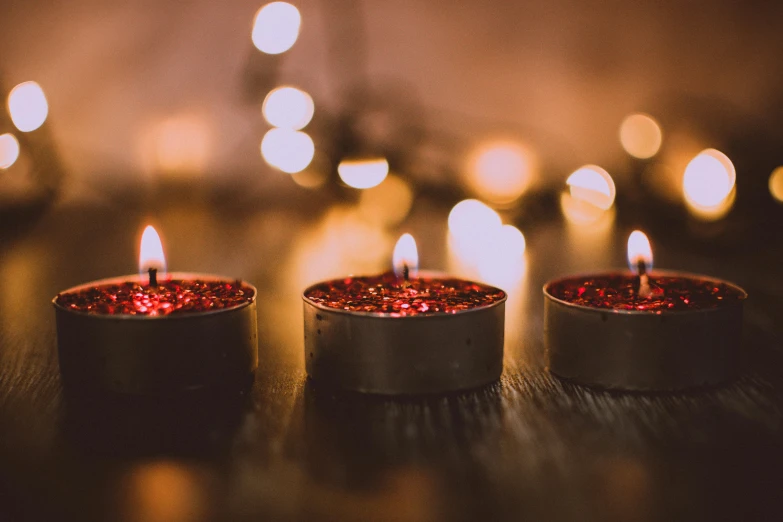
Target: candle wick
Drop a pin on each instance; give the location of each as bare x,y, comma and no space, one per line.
406,273
153,272
643,281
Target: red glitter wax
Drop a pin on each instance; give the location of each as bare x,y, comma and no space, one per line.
387,294
170,297
667,292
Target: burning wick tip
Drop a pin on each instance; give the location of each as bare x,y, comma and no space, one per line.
643,283
406,272
153,272
641,266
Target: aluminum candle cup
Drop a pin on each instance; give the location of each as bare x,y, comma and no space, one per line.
668,342
157,354
414,351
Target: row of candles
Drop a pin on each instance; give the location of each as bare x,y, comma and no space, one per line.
401,332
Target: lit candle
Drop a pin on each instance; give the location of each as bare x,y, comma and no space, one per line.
403,332
643,330
157,332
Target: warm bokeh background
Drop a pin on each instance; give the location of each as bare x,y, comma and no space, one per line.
559,76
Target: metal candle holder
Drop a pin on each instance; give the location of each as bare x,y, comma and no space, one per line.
640,350
421,354
133,354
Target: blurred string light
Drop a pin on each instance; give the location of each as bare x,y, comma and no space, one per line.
481,246
276,27
388,203
641,136
9,150
287,150
363,173
709,185
27,106
470,220
590,197
288,108
776,184
500,172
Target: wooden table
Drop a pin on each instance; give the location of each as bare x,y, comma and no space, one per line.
528,448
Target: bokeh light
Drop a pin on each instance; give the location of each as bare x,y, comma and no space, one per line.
593,185
500,172
182,144
288,108
287,150
503,262
709,185
27,106
776,184
471,219
641,136
363,174
474,229
276,27
512,241
388,203
9,150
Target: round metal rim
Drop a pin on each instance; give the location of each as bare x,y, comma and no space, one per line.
740,290
377,315
177,317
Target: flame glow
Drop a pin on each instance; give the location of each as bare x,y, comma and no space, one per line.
363,174
27,106
151,252
288,108
500,172
639,249
593,185
641,136
405,255
709,184
9,150
287,150
276,27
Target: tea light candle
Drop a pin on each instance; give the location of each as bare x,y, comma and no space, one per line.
157,333
403,333
643,330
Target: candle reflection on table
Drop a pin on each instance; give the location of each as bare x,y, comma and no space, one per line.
164,490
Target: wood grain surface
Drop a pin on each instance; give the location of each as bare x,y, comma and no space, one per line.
527,448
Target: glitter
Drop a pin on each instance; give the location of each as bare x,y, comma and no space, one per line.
386,294
173,297
668,293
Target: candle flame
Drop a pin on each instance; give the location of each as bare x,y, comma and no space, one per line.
639,249
151,252
405,256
